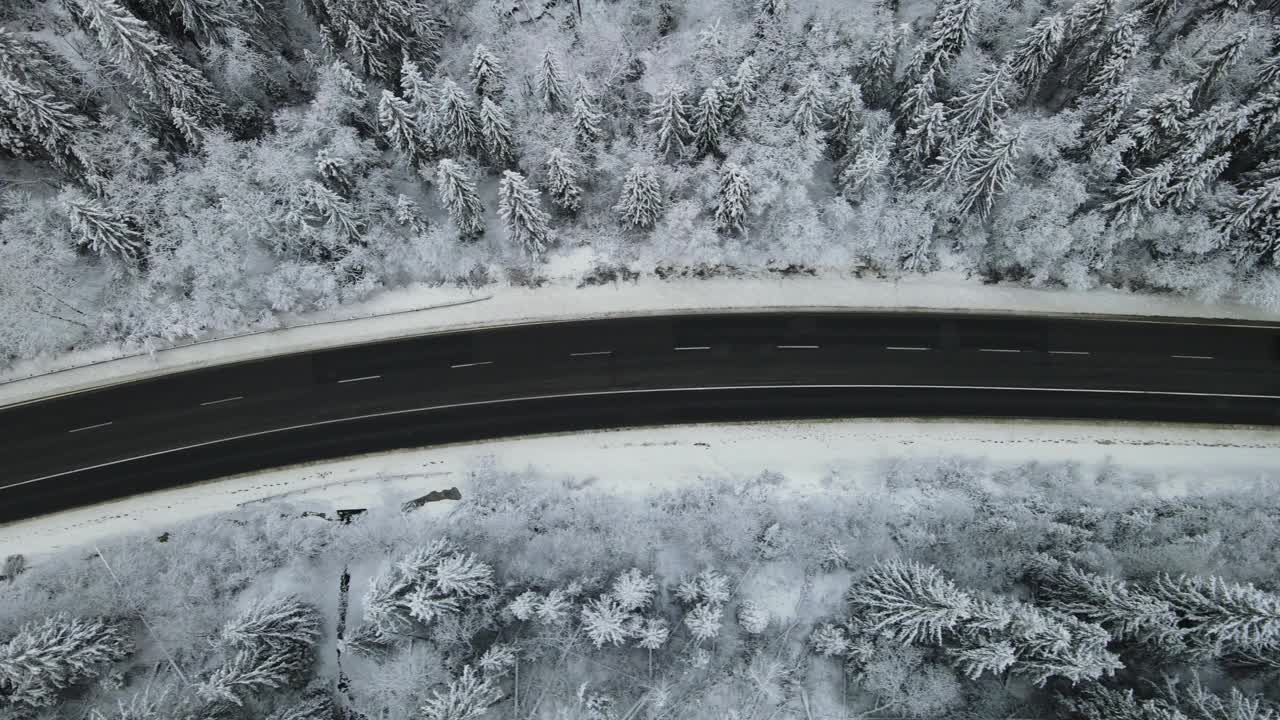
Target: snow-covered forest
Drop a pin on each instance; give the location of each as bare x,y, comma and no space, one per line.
169,167
951,588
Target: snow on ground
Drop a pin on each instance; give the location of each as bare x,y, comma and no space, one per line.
647,460
422,309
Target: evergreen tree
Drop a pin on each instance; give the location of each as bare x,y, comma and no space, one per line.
316,204
669,115
1084,20
487,74
954,164
586,122
1253,222
562,183
282,625
633,589
829,641
651,634
992,170
910,602
606,621
249,672
753,618
416,90
917,98
400,126
466,698
458,195
641,202
708,120
1035,53
987,657
745,80
1123,610
46,657
877,69
1142,193
457,124
551,83
381,34
927,134
1107,114
1213,613
846,117
978,110
495,131
734,199
704,621
870,159
808,110
1157,12
948,34
527,223
1194,178
101,229
1108,64
1220,61
41,118
187,126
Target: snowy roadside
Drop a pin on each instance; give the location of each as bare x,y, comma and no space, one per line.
420,310
648,460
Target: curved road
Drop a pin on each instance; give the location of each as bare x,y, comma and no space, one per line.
187,427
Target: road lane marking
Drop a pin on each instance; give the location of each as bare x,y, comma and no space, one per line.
1192,357
589,354
223,400
643,391
90,427
798,347
1004,350
360,379
693,347
472,364
905,347
1068,352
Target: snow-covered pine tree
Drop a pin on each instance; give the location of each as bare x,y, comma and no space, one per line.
525,606
978,109
416,90
949,32
1163,117
46,657
651,634
670,117
829,640
953,164
641,202
315,204
146,59
1036,51
708,119
734,198
103,230
1157,12
1084,20
497,660
555,607
487,74
400,126
846,117
458,194
367,641
985,657
1109,63
456,121
187,126
1193,178
247,673
1106,114
562,181
466,698
871,158
1123,610
586,121
917,98
527,223
752,617
606,621
284,624
991,172
876,71
709,586
633,589
1220,61
910,602
808,108
495,132
1051,645
704,621
743,86
1142,193
1214,614
45,119
551,83
1253,222
926,135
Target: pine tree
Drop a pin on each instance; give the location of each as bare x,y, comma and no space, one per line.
1108,64
437,579
641,202
605,621
1253,222
651,634
562,182
1213,613
633,589
704,621
367,641
877,69
466,698
1036,51
1108,601
101,229
400,126
518,206
48,656
586,122
281,625
1084,20
910,602
1141,194
1194,178
1107,114
846,117
708,586
927,134
555,607
954,164
669,114
708,120
316,204
458,126
495,131
525,606
734,199
808,110
416,90
992,170
978,110
986,657
1060,646
948,34
1220,61
870,159
487,74
551,83
743,90
249,672
829,641
753,618
918,97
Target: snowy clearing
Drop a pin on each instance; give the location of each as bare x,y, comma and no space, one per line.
648,460
401,313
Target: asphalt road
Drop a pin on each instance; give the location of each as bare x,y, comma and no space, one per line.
188,427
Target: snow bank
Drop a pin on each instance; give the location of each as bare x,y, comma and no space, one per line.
419,310
645,461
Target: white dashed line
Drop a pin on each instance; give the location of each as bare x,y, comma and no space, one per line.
1004,350
360,379
693,347
1068,352
1192,357
474,364
589,354
90,427
798,347
905,347
223,400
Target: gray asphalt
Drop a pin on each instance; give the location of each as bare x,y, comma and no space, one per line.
554,377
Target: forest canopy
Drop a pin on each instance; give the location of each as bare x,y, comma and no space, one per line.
170,167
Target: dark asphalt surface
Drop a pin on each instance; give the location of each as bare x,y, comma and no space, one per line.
554,377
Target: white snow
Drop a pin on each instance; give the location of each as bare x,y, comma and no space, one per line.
421,309
648,460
